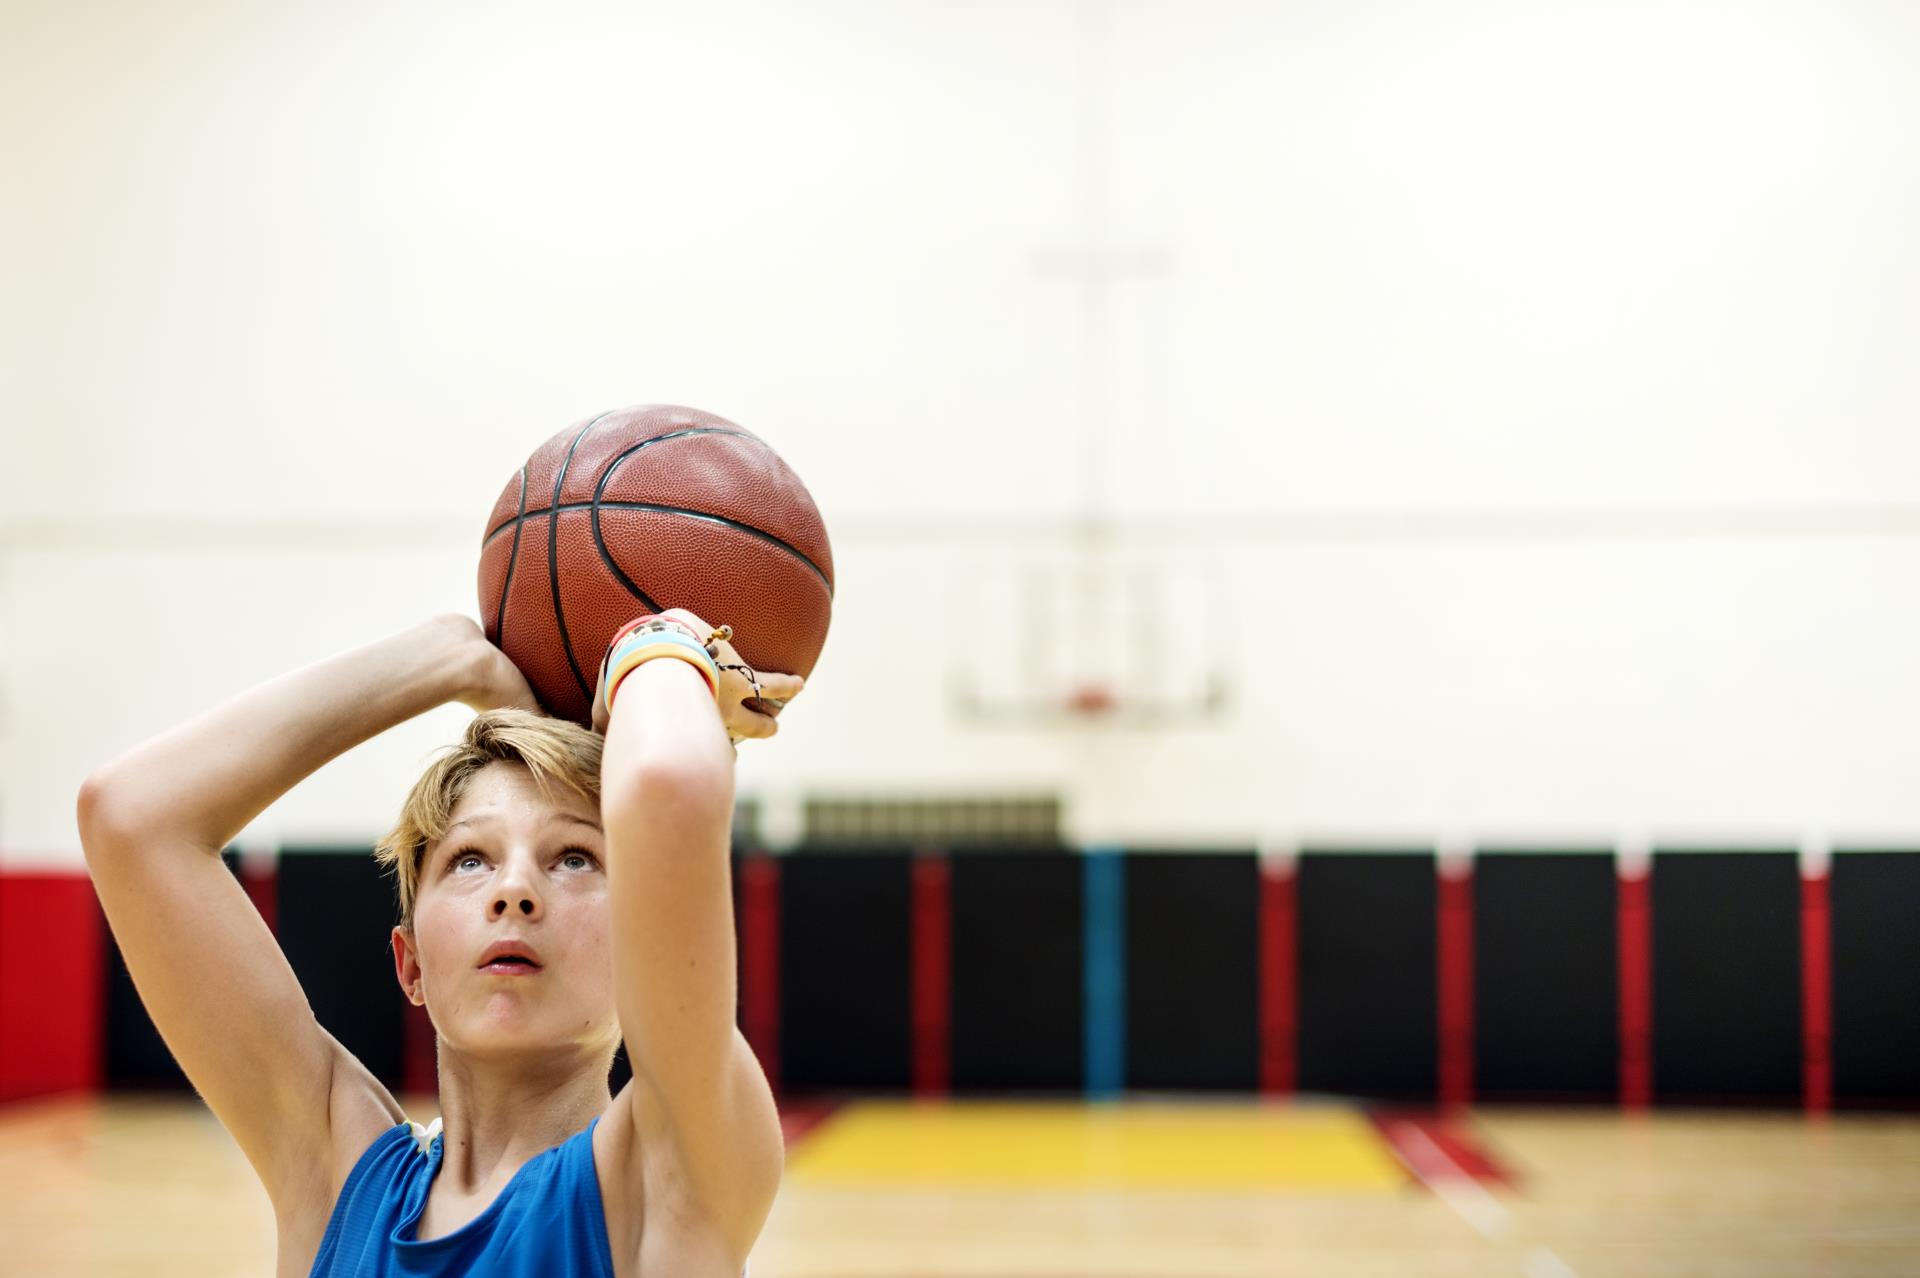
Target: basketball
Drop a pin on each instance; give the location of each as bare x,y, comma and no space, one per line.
643,509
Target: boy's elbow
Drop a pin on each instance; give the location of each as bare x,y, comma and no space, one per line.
96,813
111,813
669,789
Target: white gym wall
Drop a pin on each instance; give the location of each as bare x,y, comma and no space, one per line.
1539,378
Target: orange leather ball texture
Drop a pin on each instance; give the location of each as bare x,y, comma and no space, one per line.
643,509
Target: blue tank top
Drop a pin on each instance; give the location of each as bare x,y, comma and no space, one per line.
547,1222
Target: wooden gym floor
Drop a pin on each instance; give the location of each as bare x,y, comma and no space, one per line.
1143,1188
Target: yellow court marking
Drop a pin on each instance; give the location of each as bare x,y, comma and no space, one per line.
1123,1145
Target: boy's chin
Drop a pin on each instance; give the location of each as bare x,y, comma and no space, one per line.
508,1029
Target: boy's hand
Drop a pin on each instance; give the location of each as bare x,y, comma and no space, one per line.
492,680
739,704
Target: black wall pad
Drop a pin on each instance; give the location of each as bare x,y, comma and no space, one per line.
1017,970
1875,901
1192,978
136,1056
1545,976
1726,976
1368,1002
844,981
337,911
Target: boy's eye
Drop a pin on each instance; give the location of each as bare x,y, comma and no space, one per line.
472,854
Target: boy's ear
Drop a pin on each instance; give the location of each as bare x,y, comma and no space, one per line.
406,967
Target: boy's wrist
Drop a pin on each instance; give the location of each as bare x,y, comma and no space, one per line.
464,657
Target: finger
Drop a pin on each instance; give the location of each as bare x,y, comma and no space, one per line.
600,716
775,691
781,687
757,726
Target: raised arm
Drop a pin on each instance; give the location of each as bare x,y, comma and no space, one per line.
666,800
152,824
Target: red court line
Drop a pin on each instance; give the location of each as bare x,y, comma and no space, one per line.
1816,993
1435,1148
932,966
1279,978
1636,990
1455,961
760,961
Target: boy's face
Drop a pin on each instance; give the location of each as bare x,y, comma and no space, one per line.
514,865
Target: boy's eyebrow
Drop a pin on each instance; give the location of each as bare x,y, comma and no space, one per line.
558,816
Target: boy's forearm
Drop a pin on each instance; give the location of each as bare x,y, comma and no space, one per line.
204,780
665,715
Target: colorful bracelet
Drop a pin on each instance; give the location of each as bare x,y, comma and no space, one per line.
638,642
657,622
633,657
645,646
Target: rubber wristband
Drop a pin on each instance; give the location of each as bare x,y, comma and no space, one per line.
632,661
642,656
627,641
633,654
649,638
673,633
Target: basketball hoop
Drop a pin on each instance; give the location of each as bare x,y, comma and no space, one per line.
1099,660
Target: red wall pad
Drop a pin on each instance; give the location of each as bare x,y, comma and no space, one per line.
932,940
760,961
1279,991
1636,991
52,982
1816,991
419,1052
1456,984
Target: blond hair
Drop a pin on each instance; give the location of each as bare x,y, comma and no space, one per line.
553,750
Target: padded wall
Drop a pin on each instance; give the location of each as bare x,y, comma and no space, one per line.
1726,977
1018,997
1546,990
1192,968
1367,1002
1875,899
844,986
336,915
